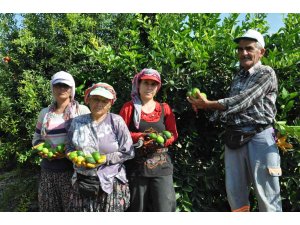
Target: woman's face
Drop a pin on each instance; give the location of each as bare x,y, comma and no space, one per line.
99,105
148,89
61,91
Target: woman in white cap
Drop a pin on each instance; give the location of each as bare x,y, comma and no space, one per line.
151,171
105,187
52,126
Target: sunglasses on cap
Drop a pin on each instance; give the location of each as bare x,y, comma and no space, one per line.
61,85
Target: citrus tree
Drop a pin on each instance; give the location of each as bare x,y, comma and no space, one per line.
189,50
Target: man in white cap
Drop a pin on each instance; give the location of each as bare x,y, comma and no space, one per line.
251,154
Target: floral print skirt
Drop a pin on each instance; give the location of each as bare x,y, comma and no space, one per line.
54,191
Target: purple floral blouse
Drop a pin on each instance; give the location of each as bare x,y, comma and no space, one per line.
110,137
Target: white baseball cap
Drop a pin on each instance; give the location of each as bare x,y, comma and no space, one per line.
101,91
253,35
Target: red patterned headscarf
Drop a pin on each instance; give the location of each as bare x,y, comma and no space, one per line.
148,74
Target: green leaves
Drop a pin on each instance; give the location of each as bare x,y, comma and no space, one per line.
286,100
292,131
189,50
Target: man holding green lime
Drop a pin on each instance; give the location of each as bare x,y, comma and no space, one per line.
251,154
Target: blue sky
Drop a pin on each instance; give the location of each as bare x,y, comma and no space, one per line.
275,20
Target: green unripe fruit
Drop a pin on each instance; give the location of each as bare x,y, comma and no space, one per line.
160,139
167,134
62,148
96,156
153,136
45,150
80,153
194,92
40,147
203,95
50,154
59,148
90,159
73,155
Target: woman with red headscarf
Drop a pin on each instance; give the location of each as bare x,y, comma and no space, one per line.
104,188
151,171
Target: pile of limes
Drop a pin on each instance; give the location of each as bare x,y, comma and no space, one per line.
193,93
159,138
45,150
80,159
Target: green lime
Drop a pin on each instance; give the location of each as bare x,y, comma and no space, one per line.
90,159
203,95
160,139
167,134
73,155
40,146
194,92
59,148
153,136
96,156
45,150
50,154
80,153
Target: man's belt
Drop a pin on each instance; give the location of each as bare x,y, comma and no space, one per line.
258,127
262,127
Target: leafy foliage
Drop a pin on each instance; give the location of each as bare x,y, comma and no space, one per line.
189,50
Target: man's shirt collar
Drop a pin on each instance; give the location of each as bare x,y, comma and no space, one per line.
245,73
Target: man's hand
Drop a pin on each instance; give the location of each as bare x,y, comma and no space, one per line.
200,102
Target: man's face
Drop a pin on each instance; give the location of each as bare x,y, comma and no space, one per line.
248,53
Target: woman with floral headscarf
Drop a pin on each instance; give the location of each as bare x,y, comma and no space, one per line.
105,187
52,126
151,171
